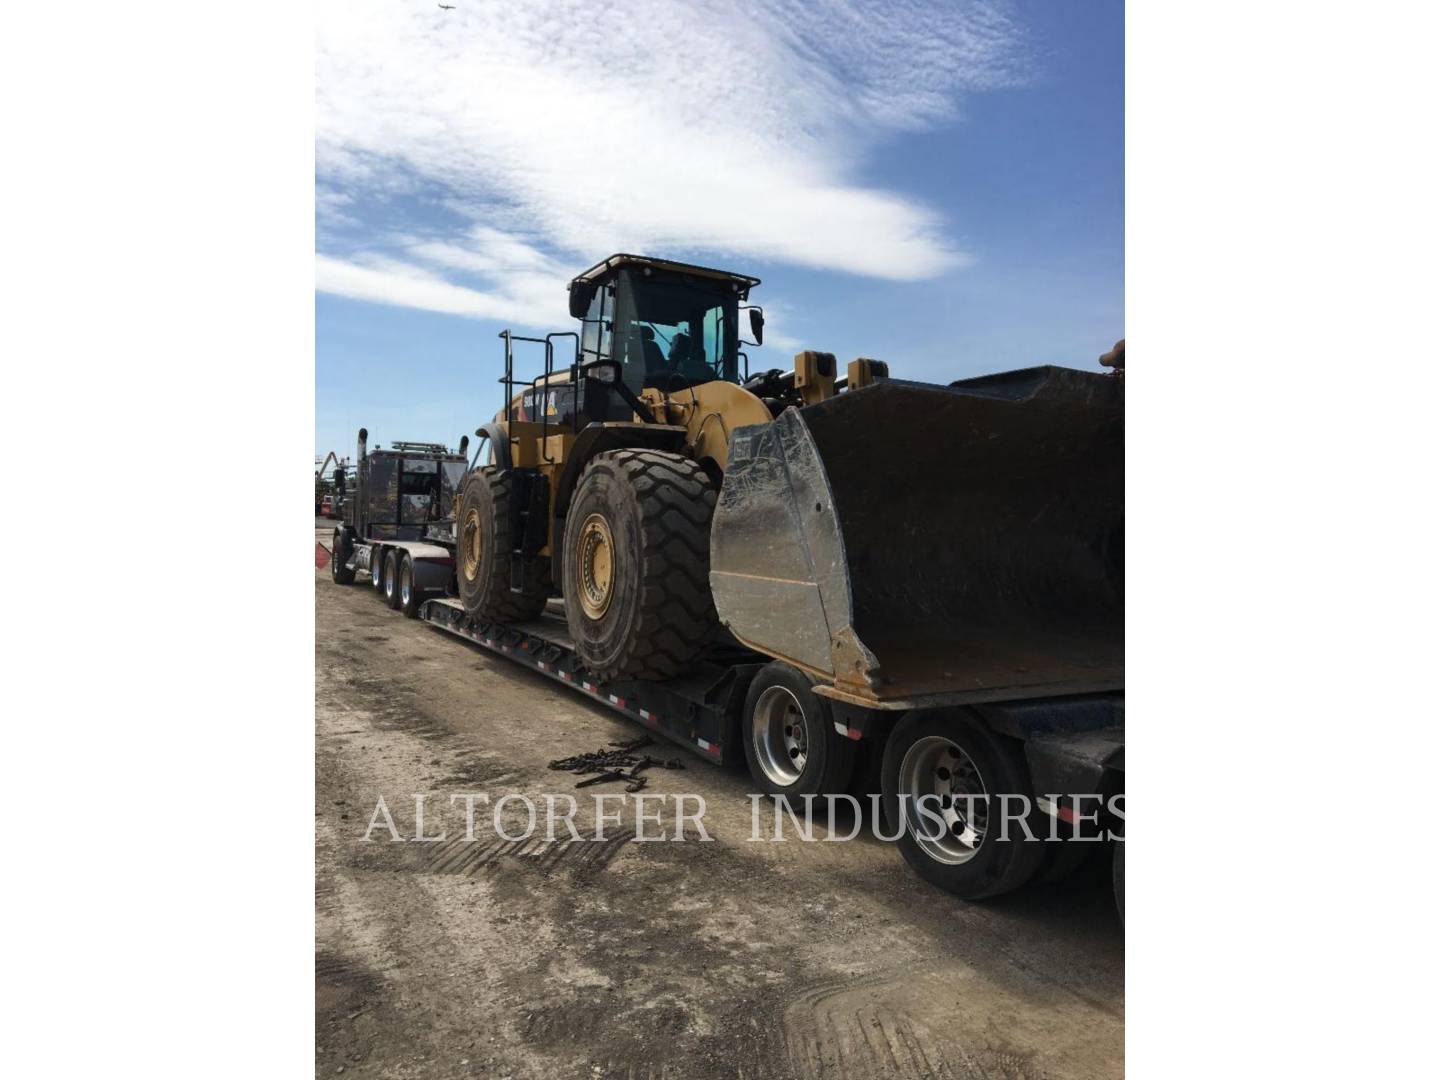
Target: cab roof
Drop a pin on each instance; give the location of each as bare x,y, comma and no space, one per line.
606,267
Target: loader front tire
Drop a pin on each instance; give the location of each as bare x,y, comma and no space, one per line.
482,557
637,564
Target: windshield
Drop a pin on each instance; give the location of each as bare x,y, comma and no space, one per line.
672,332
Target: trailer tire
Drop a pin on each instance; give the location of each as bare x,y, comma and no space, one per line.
482,558
637,564
1062,858
940,752
377,569
791,745
1118,877
391,591
340,551
409,604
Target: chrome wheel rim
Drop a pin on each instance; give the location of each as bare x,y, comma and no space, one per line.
938,771
389,577
377,567
405,586
777,731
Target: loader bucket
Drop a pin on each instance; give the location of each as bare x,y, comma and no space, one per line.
914,544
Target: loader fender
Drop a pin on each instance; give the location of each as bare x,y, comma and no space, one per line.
499,445
599,438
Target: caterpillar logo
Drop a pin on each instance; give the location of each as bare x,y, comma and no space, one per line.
530,402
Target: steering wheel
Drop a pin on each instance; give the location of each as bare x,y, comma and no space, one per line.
665,378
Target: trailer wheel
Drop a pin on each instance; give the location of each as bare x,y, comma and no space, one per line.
340,551
791,745
482,561
409,596
1118,872
955,776
377,569
392,579
637,564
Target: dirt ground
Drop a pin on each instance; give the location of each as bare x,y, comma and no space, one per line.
645,960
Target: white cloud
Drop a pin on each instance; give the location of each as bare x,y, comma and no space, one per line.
522,284
677,127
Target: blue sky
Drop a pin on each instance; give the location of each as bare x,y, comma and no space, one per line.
938,185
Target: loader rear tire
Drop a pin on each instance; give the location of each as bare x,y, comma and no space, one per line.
974,854
637,564
791,745
482,557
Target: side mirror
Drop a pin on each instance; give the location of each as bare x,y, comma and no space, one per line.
581,294
757,325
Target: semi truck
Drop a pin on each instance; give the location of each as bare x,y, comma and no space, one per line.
843,581
398,528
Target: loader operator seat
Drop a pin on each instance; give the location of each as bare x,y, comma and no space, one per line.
654,358
680,352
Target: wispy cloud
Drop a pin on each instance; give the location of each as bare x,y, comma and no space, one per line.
513,280
683,127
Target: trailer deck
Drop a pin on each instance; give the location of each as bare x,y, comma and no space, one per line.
699,711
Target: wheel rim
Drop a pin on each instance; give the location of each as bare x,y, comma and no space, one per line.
597,566
777,728
405,586
470,543
938,770
377,568
389,577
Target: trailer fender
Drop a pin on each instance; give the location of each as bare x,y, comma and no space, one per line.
432,574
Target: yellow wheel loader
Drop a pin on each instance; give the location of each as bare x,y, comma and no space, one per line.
900,542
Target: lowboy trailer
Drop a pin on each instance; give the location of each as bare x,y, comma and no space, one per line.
1064,754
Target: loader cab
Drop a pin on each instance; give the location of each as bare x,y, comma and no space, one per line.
669,325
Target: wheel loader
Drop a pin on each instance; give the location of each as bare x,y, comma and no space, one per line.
902,543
